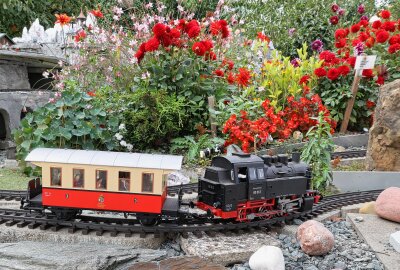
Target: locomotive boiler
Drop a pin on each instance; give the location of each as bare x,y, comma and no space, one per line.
244,187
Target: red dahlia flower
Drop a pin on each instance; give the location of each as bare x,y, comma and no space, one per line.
382,36
327,56
351,61
263,37
380,80
219,73
368,73
355,28
97,13
389,26
159,29
63,19
385,14
243,77
80,36
394,48
363,36
207,44
334,20
333,74
340,33
376,24
370,104
341,43
370,42
199,49
344,70
152,44
230,78
219,27
320,72
305,79
192,28
139,55
210,56
335,7
394,39
364,23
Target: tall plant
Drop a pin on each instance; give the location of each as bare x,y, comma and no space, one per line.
317,152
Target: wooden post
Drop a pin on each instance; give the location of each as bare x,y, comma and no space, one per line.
350,103
211,105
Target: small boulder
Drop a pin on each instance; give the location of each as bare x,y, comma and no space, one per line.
267,258
387,204
368,208
314,238
305,225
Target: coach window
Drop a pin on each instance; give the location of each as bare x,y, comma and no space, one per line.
101,179
55,176
79,178
147,182
124,181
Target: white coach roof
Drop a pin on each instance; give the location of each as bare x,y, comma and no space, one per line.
104,158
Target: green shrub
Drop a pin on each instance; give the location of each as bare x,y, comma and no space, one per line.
71,120
152,118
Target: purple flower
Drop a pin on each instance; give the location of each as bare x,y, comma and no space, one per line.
341,12
317,45
359,49
364,17
295,62
291,31
361,9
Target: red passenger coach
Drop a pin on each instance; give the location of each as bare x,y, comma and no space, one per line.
74,180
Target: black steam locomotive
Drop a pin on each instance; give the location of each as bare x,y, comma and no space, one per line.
244,187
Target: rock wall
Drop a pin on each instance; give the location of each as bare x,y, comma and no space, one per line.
383,152
12,103
13,76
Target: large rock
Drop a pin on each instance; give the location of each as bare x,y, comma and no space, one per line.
314,238
177,178
43,256
387,204
384,140
267,258
226,249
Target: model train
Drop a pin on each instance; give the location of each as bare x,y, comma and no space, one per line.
240,187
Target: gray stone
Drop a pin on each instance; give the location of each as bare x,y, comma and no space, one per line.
340,265
10,163
224,249
376,232
43,256
384,141
394,240
13,76
14,234
177,178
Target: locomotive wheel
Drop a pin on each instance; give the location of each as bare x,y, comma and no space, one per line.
148,220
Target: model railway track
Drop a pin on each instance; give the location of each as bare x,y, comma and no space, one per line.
349,154
10,195
190,224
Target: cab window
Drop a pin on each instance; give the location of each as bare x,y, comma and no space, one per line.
242,174
55,176
260,173
124,181
252,174
101,179
147,182
79,178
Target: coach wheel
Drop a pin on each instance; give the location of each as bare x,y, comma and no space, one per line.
148,220
64,214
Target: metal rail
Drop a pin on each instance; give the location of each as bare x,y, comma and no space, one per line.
188,224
